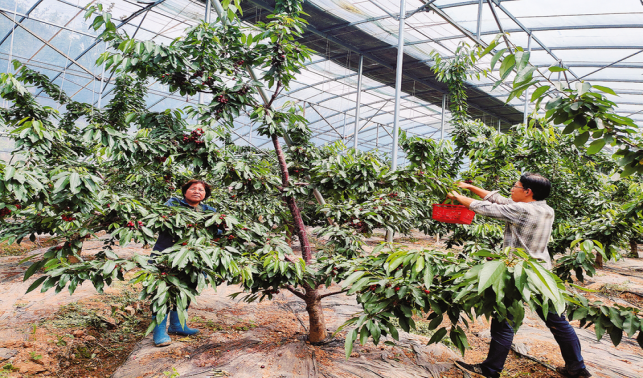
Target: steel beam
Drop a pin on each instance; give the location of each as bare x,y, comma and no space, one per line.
264,5
479,20
398,87
15,25
358,102
51,46
98,40
524,116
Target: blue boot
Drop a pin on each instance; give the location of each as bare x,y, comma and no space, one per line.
175,326
161,338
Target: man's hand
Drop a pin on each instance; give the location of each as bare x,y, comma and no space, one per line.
478,191
453,195
466,201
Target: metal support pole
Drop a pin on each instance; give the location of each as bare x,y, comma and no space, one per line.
398,94
444,109
359,98
398,83
479,20
344,129
524,118
377,135
499,125
206,18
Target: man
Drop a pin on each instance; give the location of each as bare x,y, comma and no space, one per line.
528,226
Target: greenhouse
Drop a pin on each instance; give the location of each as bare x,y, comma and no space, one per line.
321,188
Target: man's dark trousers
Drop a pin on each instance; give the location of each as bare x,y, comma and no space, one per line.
502,335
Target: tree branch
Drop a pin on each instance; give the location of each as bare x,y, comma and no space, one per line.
274,95
295,291
332,293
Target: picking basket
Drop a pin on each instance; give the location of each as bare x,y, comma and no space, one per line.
449,213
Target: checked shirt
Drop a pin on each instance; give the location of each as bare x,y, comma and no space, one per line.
527,224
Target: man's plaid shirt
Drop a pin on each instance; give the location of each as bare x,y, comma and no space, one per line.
528,224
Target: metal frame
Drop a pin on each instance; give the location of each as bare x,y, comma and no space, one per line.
329,127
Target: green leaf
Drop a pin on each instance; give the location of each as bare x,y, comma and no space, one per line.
36,283
490,273
581,139
507,65
437,336
74,181
539,92
595,146
348,344
496,57
352,278
605,89
557,69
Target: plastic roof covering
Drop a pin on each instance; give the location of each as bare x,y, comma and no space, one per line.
601,42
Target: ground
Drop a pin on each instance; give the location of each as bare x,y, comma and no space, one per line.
102,335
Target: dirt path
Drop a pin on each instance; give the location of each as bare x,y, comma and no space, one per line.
266,339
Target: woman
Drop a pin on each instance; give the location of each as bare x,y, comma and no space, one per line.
194,192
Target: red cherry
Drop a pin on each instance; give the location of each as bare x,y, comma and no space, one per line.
397,289
184,243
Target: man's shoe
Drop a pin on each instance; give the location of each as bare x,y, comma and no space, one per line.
175,326
580,373
475,371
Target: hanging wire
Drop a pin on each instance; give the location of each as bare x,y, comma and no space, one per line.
62,83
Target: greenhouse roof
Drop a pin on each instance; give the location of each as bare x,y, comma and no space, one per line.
598,41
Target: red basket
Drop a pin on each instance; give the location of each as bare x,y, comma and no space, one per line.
445,213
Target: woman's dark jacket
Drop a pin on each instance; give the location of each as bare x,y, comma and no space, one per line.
166,239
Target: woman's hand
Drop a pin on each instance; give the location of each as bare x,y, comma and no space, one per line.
463,185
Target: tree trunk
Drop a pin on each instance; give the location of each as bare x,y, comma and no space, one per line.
306,252
599,261
317,324
634,249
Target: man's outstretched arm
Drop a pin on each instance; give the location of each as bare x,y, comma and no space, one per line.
466,201
482,193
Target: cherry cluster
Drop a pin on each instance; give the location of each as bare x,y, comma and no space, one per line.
222,99
208,81
358,226
194,136
274,291
132,225
393,195
4,212
68,218
161,159
167,178
468,181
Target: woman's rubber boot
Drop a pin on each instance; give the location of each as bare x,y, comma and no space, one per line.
175,326
161,338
